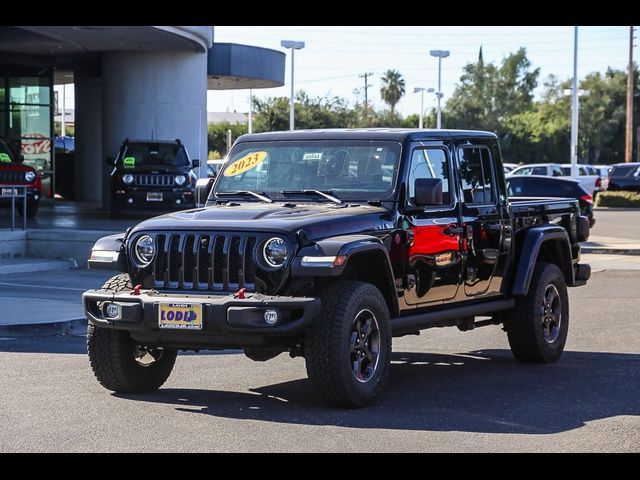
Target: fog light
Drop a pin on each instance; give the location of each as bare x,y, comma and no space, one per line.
111,310
271,317
129,200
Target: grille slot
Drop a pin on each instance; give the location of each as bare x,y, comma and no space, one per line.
153,180
204,261
12,177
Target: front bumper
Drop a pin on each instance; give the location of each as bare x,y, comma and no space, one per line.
136,197
227,321
33,195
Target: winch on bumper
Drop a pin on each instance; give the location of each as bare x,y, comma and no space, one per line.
225,319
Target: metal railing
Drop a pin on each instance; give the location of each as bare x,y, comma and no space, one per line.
12,191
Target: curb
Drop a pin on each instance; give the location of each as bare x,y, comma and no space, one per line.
617,209
610,250
72,326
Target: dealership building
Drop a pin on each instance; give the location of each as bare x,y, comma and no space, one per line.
130,82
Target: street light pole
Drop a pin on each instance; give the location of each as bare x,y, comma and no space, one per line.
440,54
421,90
293,45
250,111
574,108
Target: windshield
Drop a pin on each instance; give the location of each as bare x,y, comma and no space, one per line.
153,154
625,170
349,169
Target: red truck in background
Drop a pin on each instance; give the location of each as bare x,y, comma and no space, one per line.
14,172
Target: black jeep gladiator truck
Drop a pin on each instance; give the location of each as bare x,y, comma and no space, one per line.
325,244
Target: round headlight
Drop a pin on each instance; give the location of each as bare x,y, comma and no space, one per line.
180,179
127,178
275,252
29,176
144,250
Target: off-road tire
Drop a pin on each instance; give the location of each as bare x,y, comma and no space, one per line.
524,325
112,355
328,350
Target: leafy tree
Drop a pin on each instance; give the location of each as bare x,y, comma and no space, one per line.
217,135
319,112
393,88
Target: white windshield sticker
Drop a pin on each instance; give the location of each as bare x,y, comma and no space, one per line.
312,156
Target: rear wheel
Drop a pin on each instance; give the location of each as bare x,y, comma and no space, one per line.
537,328
118,362
347,351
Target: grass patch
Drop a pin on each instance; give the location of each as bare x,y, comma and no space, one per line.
618,199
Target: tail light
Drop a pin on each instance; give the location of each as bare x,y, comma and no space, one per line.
587,198
598,182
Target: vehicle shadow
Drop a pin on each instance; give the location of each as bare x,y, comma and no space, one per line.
481,391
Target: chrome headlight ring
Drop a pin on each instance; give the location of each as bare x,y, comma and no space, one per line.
275,252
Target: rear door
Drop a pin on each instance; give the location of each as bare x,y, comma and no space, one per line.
484,219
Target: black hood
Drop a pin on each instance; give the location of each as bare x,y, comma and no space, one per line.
318,220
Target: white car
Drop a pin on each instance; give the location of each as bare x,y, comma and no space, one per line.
509,167
592,182
547,169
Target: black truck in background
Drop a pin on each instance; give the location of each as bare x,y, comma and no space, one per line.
326,244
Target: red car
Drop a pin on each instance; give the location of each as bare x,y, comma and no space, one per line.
14,172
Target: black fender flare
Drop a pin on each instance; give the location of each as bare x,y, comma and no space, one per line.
350,247
534,240
108,253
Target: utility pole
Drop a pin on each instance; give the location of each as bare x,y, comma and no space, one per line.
628,147
574,108
366,96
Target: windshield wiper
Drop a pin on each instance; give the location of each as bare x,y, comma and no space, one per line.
328,195
260,196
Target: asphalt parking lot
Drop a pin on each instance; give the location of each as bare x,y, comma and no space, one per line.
449,391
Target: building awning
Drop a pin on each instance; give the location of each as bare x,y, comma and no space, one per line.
231,66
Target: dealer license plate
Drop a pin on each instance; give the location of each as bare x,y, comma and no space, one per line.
154,196
9,192
185,316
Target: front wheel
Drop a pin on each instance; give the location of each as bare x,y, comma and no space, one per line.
118,362
347,350
537,328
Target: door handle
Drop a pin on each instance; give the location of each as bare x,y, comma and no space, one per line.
453,230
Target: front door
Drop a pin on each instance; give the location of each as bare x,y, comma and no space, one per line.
481,219
434,265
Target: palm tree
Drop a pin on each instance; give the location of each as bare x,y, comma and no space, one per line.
392,88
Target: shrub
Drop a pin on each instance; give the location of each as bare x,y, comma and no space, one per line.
618,199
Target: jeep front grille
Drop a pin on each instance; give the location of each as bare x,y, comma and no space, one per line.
153,180
12,178
204,261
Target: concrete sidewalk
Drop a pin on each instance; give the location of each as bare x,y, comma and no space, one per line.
611,245
45,302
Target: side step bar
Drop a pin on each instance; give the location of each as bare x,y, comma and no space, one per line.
448,317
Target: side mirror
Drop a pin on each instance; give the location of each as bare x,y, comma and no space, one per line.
20,158
195,163
203,188
428,191
110,161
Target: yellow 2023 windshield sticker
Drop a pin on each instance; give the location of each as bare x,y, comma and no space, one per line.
245,163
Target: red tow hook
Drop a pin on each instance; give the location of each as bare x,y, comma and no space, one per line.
136,290
240,294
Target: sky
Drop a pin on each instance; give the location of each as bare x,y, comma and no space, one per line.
334,57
